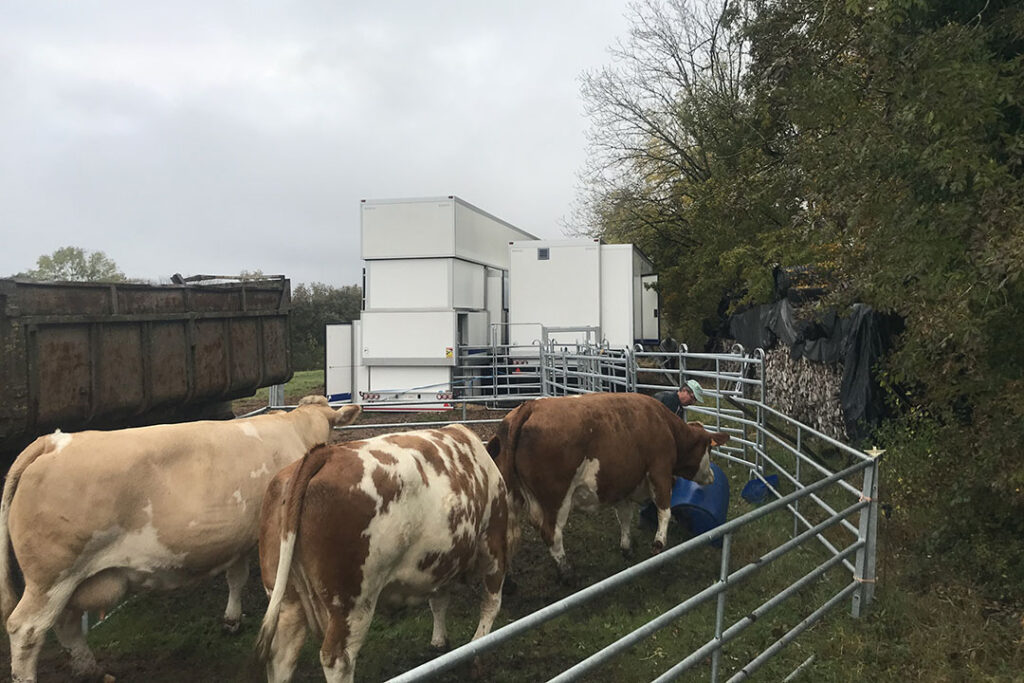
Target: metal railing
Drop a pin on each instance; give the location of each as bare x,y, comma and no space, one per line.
834,512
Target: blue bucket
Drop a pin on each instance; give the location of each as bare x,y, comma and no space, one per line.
755,491
696,508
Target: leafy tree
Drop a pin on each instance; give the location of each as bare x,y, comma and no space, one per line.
73,264
677,165
313,306
883,141
902,123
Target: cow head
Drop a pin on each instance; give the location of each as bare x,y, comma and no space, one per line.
344,415
693,459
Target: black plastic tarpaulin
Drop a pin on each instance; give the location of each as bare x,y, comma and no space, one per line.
857,340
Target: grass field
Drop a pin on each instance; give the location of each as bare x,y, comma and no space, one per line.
909,634
921,627
302,383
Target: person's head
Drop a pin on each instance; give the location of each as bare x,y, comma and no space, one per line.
690,393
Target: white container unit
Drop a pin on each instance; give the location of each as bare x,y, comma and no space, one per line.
629,302
553,284
435,228
596,289
434,281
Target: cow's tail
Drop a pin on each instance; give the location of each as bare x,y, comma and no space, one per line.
291,509
504,451
8,591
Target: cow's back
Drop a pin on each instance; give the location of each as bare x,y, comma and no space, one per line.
394,508
624,434
187,494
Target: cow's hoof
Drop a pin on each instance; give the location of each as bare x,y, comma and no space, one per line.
91,673
231,626
442,647
657,547
510,587
566,575
627,553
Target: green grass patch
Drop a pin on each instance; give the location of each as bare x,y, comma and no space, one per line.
913,630
302,383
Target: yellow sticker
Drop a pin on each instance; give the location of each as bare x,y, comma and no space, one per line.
448,352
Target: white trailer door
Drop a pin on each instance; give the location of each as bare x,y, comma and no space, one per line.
338,371
649,313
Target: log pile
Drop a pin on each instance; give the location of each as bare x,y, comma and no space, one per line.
806,391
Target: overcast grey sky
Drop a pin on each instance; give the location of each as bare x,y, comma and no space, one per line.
215,137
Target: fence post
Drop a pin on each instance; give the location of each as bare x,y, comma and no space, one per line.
543,372
716,656
683,349
796,503
275,395
762,414
868,532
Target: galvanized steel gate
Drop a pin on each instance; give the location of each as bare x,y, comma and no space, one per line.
822,504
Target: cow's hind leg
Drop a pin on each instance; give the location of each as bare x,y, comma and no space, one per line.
490,605
624,513
343,638
551,534
68,628
439,609
27,626
237,574
288,640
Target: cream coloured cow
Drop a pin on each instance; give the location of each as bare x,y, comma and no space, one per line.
394,516
93,514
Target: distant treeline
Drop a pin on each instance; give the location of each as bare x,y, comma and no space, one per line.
315,305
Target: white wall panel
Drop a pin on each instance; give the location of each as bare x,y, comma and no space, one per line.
617,289
407,228
563,290
468,285
408,284
408,337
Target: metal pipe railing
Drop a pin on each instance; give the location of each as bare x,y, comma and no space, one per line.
560,369
495,638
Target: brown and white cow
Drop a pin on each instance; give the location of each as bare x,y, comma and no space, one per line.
598,449
395,516
92,514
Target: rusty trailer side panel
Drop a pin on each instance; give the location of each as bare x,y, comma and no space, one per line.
85,355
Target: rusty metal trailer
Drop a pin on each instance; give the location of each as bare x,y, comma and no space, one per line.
91,355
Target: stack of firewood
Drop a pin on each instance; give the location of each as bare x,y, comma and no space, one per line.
806,391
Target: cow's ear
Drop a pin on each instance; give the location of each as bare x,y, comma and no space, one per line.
719,438
345,415
494,447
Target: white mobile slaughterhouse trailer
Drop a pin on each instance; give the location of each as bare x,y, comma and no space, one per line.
582,291
441,276
434,279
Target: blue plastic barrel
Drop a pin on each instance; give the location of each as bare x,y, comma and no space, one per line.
697,508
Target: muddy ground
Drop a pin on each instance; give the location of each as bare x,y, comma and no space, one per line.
176,635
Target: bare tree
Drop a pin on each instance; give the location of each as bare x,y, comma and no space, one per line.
657,114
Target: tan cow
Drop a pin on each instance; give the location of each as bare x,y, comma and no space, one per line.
598,449
92,514
395,516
